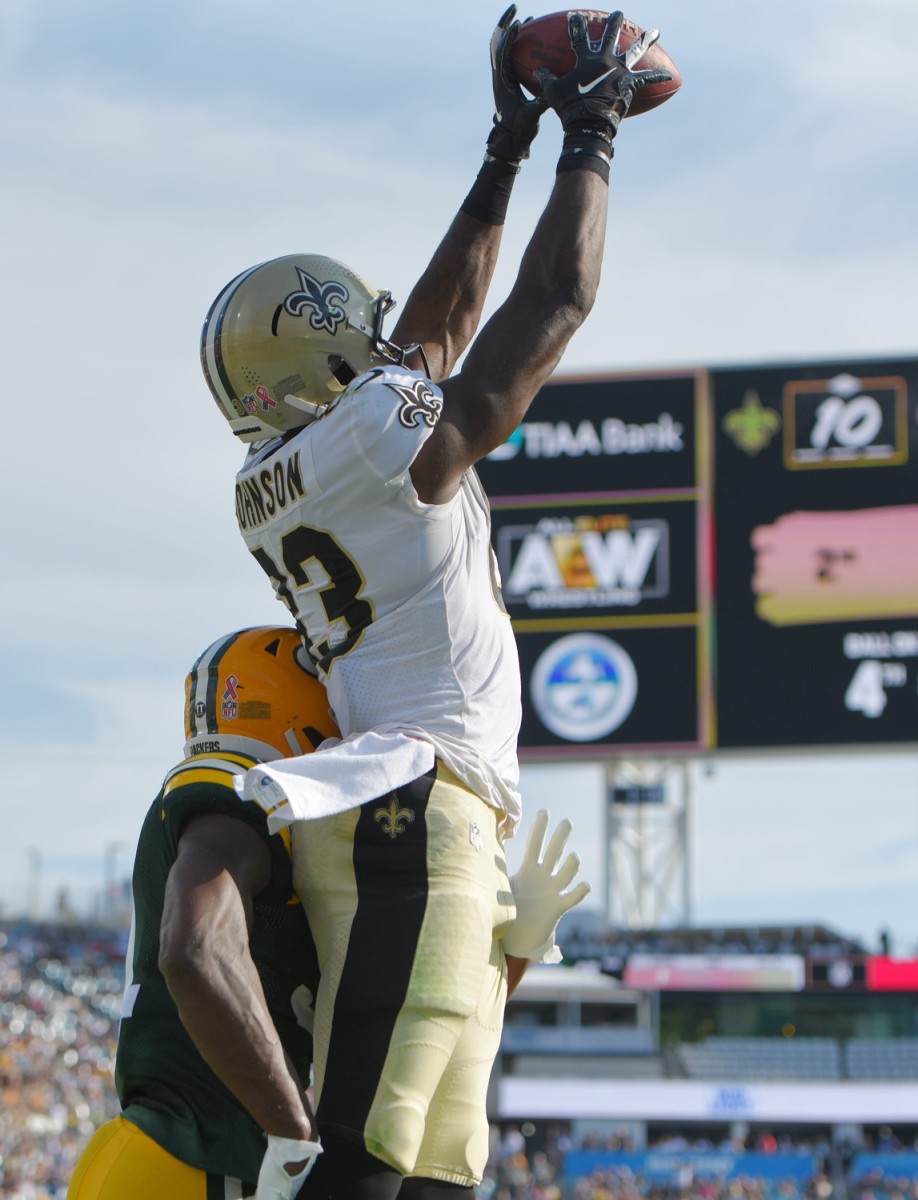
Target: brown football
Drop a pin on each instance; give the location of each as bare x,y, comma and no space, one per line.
545,42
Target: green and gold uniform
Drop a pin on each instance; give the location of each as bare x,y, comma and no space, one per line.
165,1087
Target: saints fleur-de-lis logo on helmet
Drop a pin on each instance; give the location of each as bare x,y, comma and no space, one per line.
393,819
324,302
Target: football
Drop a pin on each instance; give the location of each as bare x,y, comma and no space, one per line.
545,42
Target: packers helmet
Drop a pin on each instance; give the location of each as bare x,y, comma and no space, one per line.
283,339
255,692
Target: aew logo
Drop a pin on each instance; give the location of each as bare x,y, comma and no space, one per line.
585,562
325,302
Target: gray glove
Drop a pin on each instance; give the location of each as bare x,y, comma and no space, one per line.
539,893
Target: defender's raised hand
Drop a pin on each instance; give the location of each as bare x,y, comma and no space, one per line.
540,892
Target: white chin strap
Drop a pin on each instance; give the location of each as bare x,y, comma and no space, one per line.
251,429
295,748
306,406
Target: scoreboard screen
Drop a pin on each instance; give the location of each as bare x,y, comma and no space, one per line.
599,509
702,559
816,529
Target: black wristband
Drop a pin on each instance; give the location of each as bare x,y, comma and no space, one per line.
587,149
490,193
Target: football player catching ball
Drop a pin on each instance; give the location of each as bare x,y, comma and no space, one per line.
360,501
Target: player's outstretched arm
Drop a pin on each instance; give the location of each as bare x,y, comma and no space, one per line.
444,308
205,959
522,343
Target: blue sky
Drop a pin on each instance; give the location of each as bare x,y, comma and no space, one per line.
764,214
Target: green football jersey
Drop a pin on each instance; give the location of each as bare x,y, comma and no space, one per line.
164,1085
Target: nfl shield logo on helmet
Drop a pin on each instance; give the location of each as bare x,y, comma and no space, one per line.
231,698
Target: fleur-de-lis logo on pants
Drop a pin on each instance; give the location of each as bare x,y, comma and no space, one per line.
393,819
324,300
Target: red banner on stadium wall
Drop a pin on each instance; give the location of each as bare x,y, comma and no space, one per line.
892,974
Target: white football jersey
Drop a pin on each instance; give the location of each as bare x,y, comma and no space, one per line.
400,600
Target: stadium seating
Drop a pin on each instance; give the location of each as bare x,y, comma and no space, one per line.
762,1058
881,1058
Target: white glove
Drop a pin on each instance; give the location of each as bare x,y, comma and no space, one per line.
539,893
274,1180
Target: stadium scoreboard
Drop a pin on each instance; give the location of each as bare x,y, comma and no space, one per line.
709,559
817,551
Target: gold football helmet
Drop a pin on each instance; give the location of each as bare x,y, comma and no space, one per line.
283,340
255,692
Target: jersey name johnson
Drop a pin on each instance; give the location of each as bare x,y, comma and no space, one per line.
264,493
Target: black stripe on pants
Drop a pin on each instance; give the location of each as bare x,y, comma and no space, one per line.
392,886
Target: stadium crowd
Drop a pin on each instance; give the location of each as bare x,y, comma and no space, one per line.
516,1172
60,993
60,996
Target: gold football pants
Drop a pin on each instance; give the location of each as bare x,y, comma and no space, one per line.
404,897
122,1163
